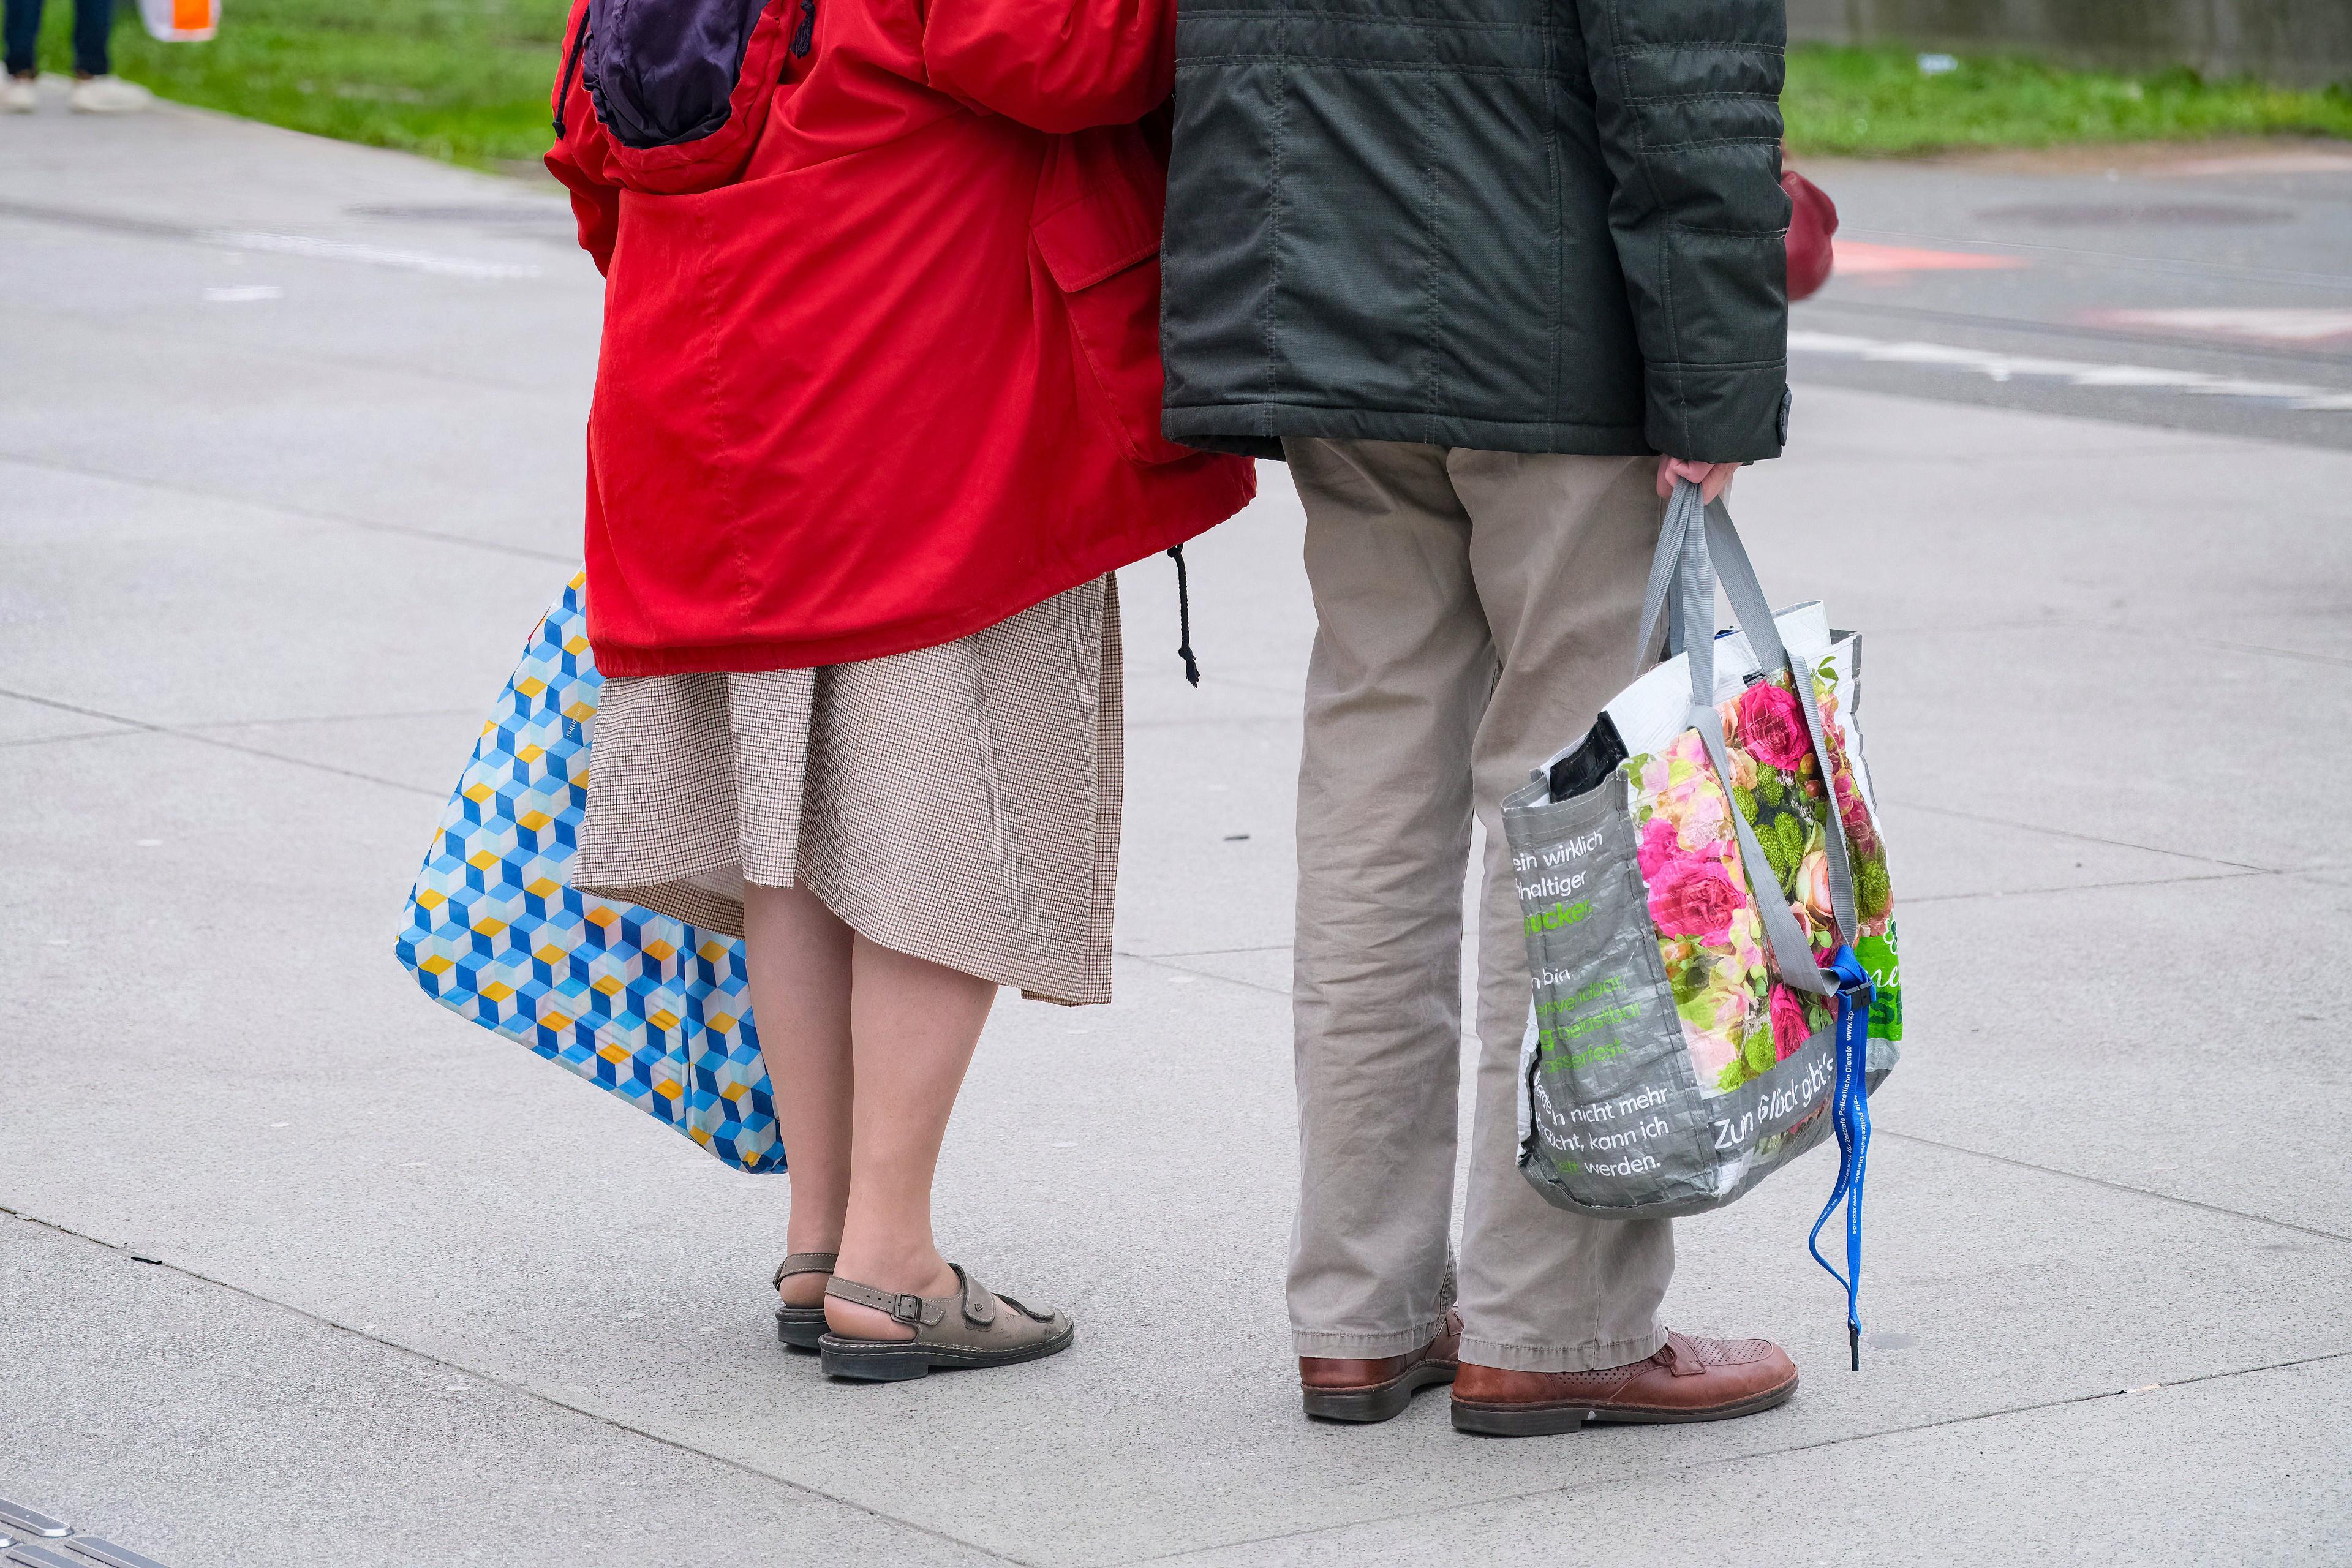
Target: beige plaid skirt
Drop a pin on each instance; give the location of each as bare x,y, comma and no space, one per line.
958,802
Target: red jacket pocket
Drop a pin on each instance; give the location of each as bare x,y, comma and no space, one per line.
1100,199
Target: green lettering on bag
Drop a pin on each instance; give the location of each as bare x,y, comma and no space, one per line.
1877,955
1560,915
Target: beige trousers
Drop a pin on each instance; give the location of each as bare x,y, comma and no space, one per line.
1475,610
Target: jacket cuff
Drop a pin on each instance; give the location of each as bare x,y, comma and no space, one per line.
1718,413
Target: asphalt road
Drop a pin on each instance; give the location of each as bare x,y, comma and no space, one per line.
2196,289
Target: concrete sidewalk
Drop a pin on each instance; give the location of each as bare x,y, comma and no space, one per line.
296,1268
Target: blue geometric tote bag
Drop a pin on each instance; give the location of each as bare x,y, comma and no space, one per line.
637,1003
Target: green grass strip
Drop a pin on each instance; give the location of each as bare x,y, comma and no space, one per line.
465,80
1877,103
468,80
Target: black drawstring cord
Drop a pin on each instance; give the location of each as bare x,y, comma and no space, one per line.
563,89
804,39
1183,615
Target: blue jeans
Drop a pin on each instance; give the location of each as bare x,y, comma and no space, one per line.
92,19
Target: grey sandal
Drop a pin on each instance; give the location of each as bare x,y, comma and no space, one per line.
801,1327
963,1330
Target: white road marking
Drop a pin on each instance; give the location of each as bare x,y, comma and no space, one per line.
368,254
2310,163
2281,326
424,261
245,294
2075,372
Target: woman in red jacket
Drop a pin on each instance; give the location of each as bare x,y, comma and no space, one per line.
877,418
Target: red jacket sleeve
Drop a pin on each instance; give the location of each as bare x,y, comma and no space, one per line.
597,208
577,157
1057,65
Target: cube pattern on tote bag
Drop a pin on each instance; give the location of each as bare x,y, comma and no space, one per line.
646,1007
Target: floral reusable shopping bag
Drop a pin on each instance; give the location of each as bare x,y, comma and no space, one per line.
639,1004
1709,922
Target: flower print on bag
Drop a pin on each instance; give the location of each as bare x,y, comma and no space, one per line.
1710,939
1715,999
1873,892
1739,1020
1862,833
1658,845
1813,890
1772,727
1694,896
1726,713
1790,1027
1700,817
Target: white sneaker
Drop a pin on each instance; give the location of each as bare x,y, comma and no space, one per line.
18,96
110,95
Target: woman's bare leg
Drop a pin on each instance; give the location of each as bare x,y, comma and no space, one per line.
798,959
913,1025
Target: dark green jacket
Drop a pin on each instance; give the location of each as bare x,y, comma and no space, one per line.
1526,225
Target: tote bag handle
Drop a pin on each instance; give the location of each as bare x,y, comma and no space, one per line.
1698,548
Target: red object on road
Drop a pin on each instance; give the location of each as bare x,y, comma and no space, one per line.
1813,219
881,358
1859,258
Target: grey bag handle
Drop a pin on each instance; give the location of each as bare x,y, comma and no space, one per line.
1747,603
1692,526
1671,533
1792,956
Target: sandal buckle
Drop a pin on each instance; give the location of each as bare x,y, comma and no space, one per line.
908,1310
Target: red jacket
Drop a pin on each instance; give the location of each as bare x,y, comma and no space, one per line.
884,367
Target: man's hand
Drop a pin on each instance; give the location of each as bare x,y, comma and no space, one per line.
1712,479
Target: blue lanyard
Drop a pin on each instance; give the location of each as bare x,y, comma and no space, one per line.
1850,1118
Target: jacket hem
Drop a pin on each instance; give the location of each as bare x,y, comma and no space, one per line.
627,663
1256,429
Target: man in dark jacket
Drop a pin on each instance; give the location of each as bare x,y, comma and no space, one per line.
1486,273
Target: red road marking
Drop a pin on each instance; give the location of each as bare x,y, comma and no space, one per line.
1858,259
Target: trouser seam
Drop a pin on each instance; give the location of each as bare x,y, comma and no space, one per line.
1351,1342
1588,1356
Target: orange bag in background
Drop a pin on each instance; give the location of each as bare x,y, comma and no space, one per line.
180,21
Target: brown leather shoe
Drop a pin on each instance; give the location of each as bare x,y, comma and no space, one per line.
1345,1388
1689,1379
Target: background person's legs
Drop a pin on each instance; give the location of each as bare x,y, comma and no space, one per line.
1401,668
93,20
23,28
1560,547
